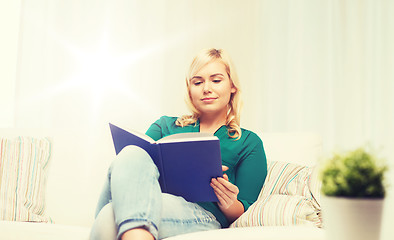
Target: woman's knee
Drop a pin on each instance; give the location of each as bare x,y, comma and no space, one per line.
133,156
104,226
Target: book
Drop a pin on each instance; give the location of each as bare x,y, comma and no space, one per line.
186,161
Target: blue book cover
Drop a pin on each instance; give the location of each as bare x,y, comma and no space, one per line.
186,161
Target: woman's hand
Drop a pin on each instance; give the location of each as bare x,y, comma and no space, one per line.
225,191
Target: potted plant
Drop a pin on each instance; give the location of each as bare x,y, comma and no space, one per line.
353,190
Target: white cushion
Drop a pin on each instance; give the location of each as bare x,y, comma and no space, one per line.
41,231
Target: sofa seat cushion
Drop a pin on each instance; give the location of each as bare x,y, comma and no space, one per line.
11,230
257,233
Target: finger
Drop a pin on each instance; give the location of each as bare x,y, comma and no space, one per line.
229,189
218,187
222,202
223,198
228,185
225,177
224,168
227,197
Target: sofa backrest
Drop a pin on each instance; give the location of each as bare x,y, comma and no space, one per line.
301,148
77,170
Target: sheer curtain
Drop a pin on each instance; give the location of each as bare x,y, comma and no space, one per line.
98,60
306,65
326,68
321,66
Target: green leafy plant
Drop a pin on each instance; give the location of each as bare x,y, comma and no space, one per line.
355,174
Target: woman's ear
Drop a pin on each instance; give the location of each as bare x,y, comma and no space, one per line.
233,89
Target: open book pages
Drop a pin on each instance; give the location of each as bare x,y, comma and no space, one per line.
187,137
178,137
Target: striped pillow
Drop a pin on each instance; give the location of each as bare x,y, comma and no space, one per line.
23,174
278,210
285,199
288,179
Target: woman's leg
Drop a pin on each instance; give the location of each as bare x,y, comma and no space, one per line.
177,217
137,202
104,227
133,189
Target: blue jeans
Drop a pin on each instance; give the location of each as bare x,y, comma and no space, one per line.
132,198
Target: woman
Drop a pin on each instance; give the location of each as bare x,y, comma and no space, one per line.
132,206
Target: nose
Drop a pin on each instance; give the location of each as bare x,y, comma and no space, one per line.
207,87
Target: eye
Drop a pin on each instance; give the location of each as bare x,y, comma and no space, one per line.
197,83
217,80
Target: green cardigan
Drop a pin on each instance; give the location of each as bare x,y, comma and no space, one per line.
244,157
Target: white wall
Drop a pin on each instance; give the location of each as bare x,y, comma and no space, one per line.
87,64
9,25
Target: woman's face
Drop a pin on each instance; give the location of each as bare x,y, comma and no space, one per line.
211,89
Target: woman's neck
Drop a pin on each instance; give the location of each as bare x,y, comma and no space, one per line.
211,124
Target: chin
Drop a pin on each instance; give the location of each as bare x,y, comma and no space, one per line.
209,111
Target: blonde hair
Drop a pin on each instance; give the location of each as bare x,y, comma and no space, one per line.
234,107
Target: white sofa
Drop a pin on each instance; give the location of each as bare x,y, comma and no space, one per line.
77,168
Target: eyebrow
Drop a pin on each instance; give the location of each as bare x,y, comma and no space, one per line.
216,74
211,76
196,77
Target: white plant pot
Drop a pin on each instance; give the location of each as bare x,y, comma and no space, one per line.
352,218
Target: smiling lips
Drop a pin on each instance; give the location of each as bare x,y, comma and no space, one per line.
208,99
